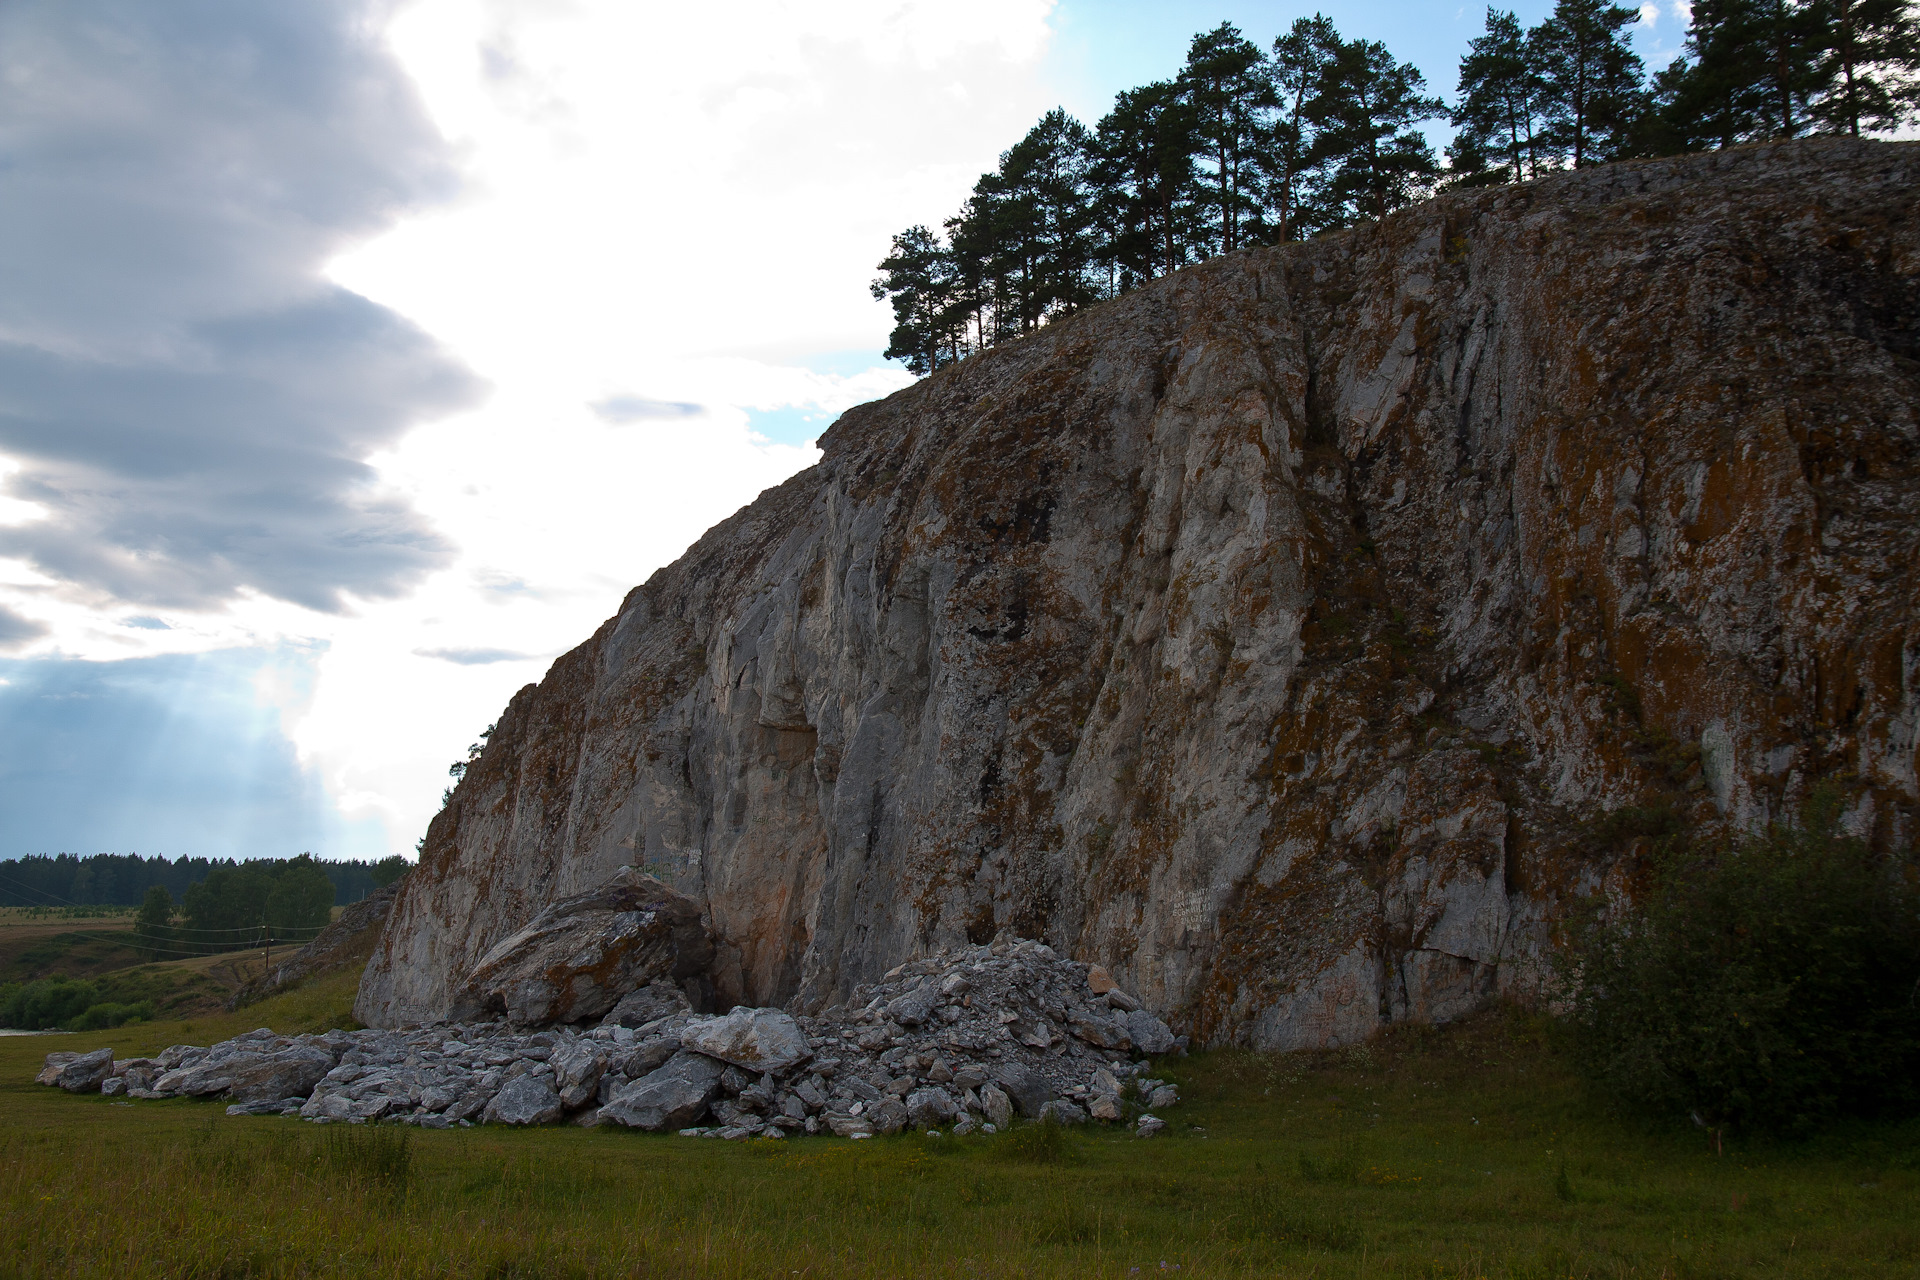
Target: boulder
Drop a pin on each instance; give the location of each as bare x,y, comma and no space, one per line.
1060,1111
913,1008
1147,1126
289,1074
578,956
1150,1035
889,1115
760,1040
848,1126
76,1072
1027,1088
673,1097
577,1072
526,1100
929,1108
1165,1096
1105,1106
997,1105
658,999
649,1055
1103,1033
1099,981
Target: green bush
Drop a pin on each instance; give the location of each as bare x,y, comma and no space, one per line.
1769,984
101,1016
45,1002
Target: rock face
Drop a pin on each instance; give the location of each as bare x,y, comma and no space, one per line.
1276,633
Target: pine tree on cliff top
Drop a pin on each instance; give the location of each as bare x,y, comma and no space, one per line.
1366,116
1593,82
1501,94
1229,88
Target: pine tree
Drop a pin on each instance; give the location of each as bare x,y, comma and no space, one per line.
1500,97
1143,180
1299,66
1871,66
1594,83
918,278
1228,86
1365,115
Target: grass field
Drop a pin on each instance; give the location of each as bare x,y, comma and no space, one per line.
1460,1153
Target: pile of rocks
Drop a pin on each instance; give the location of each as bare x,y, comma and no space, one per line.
958,1041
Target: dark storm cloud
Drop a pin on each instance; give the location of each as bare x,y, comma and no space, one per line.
191,402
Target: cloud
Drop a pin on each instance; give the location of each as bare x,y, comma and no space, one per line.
190,402
16,630
474,657
624,409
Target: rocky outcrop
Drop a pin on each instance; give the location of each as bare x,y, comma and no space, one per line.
1281,633
579,956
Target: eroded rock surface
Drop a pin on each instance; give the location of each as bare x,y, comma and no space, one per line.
1279,632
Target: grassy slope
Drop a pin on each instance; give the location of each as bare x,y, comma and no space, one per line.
1429,1155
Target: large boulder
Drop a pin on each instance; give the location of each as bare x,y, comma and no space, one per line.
760,1040
673,1097
580,955
77,1072
291,1073
1150,1035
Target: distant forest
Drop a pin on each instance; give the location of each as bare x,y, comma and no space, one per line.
1251,146
113,879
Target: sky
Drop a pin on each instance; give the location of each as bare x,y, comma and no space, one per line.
357,357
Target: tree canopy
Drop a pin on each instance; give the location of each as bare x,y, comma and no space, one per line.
1252,146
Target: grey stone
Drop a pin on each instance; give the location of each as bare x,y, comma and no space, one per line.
1060,1111
113,1086
576,1073
1165,1096
929,1108
849,1126
889,1115
1103,1033
1147,1126
759,1039
658,999
291,1073
1150,1035
76,1072
997,1105
673,1097
913,1008
528,1100
969,1076
1105,1106
1027,1087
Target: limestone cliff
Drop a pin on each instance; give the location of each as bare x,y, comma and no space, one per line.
1276,634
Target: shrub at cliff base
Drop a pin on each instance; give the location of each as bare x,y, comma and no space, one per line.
1767,985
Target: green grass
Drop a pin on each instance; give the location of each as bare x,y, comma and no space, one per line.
1468,1152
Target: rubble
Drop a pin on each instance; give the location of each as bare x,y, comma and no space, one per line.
964,1040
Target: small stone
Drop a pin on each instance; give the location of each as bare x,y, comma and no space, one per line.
969,1076
1105,1106
1147,1126
940,1072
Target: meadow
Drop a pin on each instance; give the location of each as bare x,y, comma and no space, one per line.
1463,1152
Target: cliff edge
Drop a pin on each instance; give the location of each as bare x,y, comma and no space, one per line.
1280,634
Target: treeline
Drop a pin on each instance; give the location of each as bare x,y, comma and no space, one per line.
112,879
1250,146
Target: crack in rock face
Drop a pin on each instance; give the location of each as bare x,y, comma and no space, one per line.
1280,634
